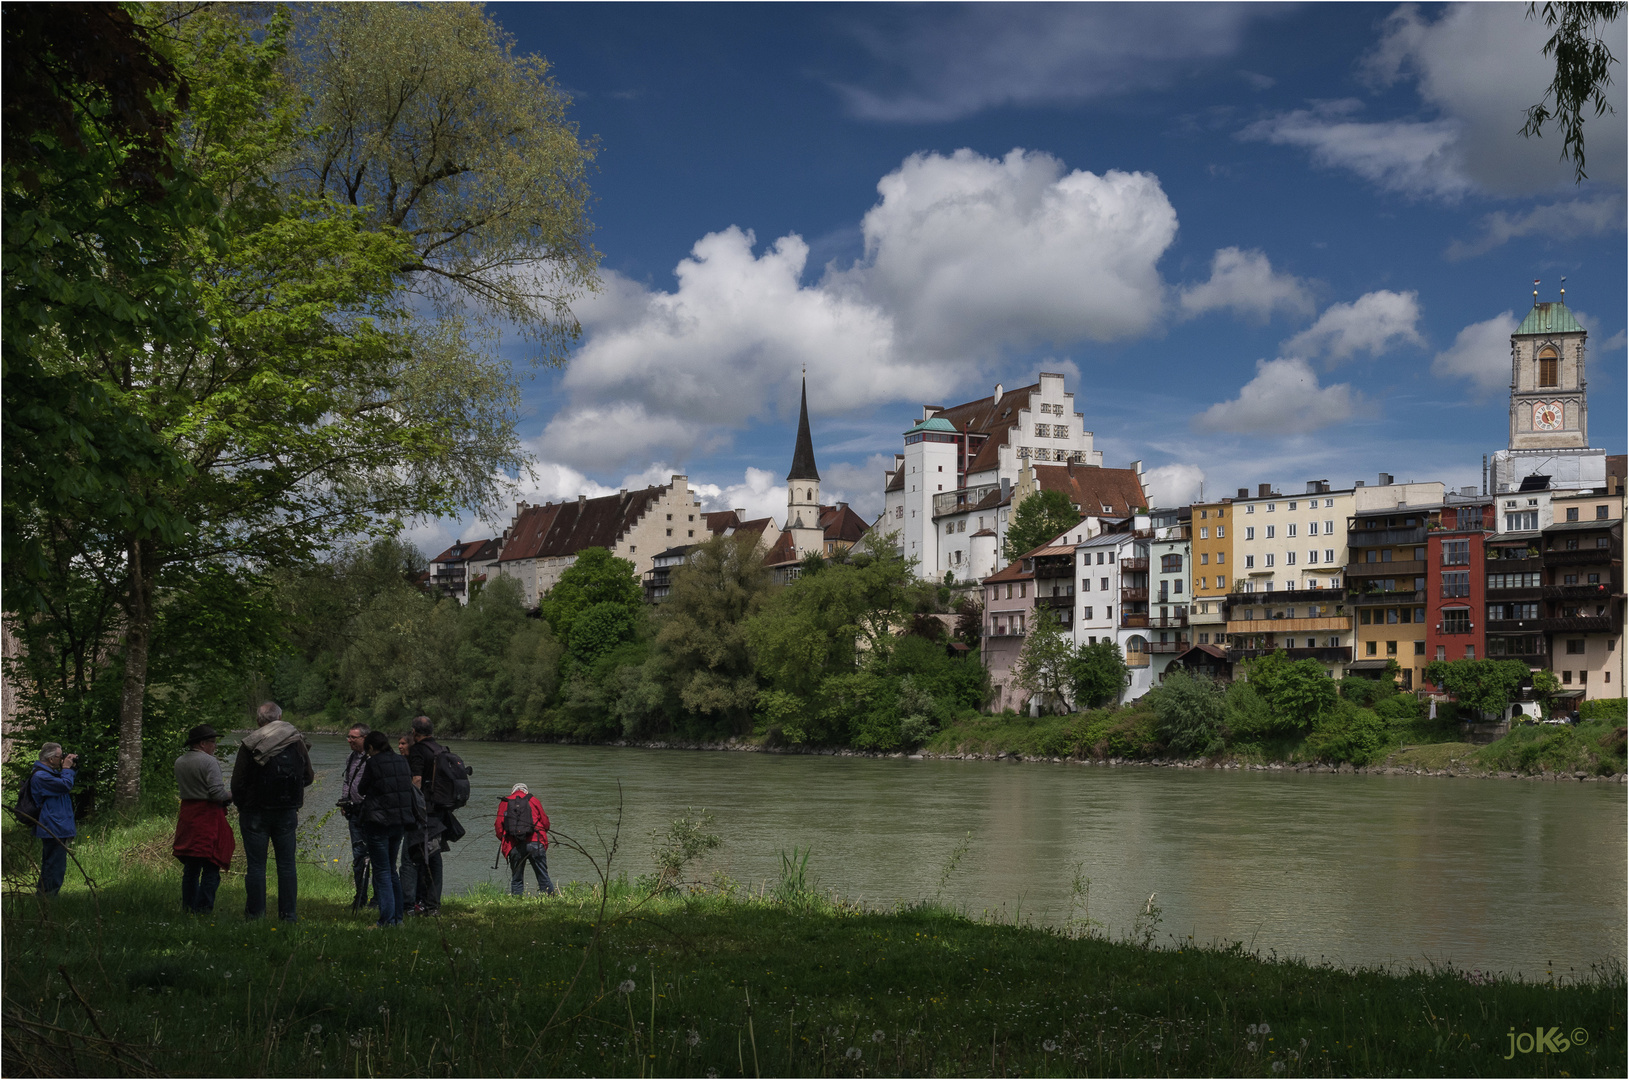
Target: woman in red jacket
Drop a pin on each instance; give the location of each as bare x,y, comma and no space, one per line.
523,829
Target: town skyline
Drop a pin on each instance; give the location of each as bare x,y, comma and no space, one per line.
1231,255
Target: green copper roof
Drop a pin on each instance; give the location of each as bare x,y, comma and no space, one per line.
1550,318
938,423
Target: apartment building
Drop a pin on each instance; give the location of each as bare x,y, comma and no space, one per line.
1009,606
1211,563
1112,598
1169,556
1582,604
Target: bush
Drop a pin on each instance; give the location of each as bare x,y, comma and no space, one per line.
1604,709
1246,717
1190,711
1348,733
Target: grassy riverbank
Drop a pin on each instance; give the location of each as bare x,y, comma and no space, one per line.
773,981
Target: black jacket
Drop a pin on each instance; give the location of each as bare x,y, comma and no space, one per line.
387,792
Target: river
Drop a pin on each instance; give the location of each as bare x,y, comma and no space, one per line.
1509,876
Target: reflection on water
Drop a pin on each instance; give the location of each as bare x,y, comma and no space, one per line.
1500,875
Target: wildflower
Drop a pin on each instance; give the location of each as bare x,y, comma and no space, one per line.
1265,1029
1251,1045
356,1042
316,1029
626,986
877,1036
1278,1066
384,1008
1049,1046
712,1074
1251,1029
693,1039
852,1053
632,968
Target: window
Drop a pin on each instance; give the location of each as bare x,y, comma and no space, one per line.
1103,584
1600,515
1170,564
1365,617
1270,529
1575,646
1442,653
1329,554
1111,558
1043,430
1391,615
1456,621
1602,541
1370,648
1268,562
1271,507
1220,531
1292,504
1087,613
961,526
1204,533
1249,562
1572,513
1329,502
1289,558
1312,557
1456,583
1583,678
1203,514
1291,531
1566,678
1547,368
1204,558
1391,648
1221,583
1221,557
1108,611
1022,585
670,532
1250,532
1405,615
950,527
1513,611
1250,509
1456,552
1419,648
1204,639
1470,652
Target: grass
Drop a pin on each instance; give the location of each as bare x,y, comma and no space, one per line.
736,983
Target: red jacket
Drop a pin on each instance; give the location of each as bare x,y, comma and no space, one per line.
540,822
201,830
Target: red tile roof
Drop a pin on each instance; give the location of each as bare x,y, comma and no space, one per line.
783,552
468,551
841,523
1014,571
1091,489
558,529
987,416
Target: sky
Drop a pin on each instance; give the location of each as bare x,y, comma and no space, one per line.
1265,244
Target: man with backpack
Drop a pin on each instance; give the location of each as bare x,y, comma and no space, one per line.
46,806
523,830
269,779
443,778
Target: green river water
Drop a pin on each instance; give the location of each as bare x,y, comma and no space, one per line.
1497,875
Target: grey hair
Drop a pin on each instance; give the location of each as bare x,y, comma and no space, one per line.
360,729
268,713
49,750
422,726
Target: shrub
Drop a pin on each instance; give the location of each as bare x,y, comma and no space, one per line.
1190,711
1348,733
1246,716
1604,709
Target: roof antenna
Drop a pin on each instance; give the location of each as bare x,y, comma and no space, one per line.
1535,291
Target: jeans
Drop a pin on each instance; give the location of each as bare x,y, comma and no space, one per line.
536,854
199,879
260,828
360,854
53,865
382,844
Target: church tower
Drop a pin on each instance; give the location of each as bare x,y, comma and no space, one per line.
1548,403
803,489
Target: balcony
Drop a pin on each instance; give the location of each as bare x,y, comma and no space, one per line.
1129,595
1067,603
1136,621
1526,592
1336,624
1129,565
1570,592
1159,622
1574,624
1407,568
1136,659
1385,537
1169,646
1579,557
1004,632
1385,596
1322,655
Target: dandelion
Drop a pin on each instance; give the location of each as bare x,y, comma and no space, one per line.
1251,1045
1251,1029
1264,1029
877,1036
1049,1046
384,1008
356,1042
693,1039
852,1053
632,968
626,986
316,1029
1278,1066
712,1074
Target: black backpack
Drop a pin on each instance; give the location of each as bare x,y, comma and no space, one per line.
449,780
28,808
518,823
280,783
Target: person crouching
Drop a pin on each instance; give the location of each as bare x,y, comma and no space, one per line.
203,838
523,830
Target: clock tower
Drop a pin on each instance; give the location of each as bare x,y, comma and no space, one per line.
1549,405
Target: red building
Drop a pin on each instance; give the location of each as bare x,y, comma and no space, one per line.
1456,583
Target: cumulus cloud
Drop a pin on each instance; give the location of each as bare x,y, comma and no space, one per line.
758,493
942,64
965,256
972,254
1476,68
1173,485
1566,220
1244,282
1480,353
1283,399
1374,322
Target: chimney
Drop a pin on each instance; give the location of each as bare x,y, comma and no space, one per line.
1385,479
1263,490
581,499
1244,493
740,513
1357,483
1137,467
1312,487
996,398
1469,491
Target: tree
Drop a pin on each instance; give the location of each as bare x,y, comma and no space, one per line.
1097,674
1297,692
596,577
1039,518
1190,710
1484,686
702,636
1583,71
1043,667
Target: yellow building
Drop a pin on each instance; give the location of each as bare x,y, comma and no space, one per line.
1212,563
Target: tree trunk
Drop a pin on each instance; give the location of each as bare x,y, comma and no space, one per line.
137,639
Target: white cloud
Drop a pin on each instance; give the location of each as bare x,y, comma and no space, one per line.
757,493
1283,399
860,485
1244,281
1477,68
1374,322
971,254
942,64
1612,343
1480,353
965,256
1173,485
1554,221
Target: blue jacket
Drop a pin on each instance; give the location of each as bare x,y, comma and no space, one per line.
51,788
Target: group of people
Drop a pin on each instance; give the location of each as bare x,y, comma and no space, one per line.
398,806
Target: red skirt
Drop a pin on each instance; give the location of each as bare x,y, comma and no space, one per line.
202,832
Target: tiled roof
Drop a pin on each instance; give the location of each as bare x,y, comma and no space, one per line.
1014,571
468,551
988,417
756,525
841,523
1551,317
719,520
784,551
1121,490
554,530
896,480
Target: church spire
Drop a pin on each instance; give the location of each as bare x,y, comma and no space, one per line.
803,460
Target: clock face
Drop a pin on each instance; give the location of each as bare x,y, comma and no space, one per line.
1546,415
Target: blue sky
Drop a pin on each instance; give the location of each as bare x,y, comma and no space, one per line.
1266,244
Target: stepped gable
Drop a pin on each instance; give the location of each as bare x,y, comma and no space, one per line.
1091,489
555,530
841,523
986,416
